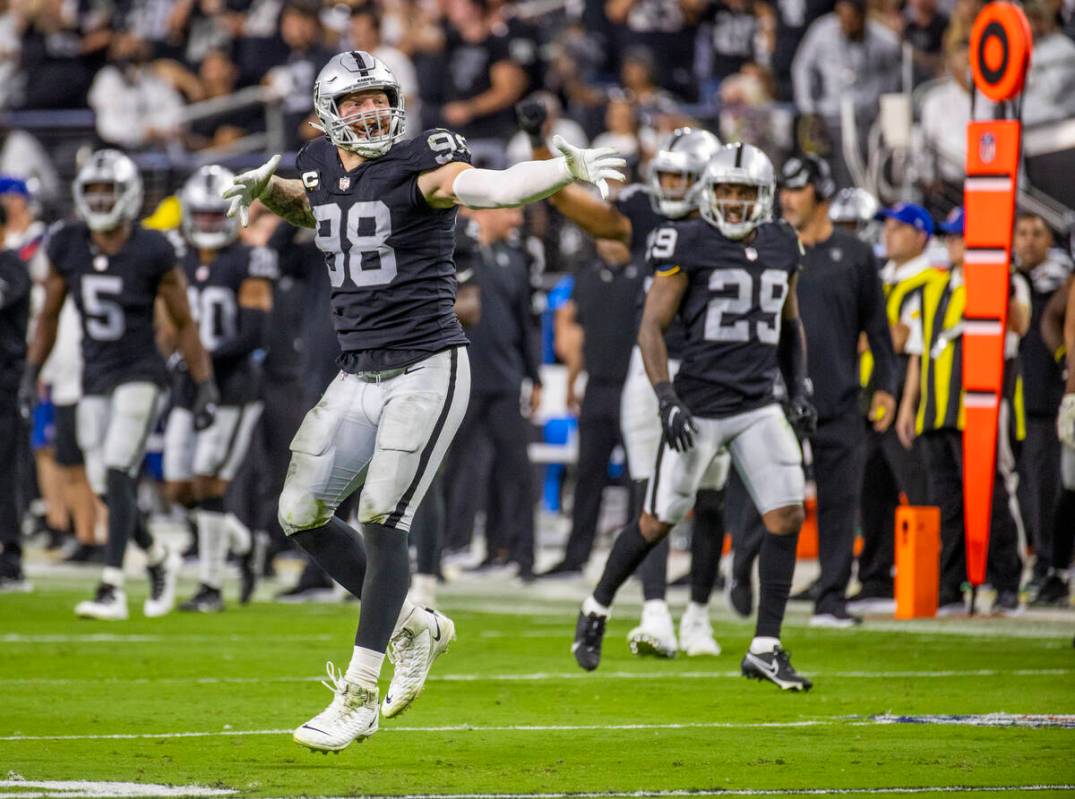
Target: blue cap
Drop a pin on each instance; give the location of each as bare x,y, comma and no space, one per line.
909,214
953,225
13,185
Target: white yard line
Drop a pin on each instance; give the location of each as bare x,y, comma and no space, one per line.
981,720
549,676
703,792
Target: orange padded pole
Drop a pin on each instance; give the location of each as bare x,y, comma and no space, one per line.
918,561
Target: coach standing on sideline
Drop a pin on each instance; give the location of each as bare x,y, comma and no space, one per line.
14,315
839,298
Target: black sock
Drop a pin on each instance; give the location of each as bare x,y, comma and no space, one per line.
776,567
1064,530
629,550
707,540
385,588
653,572
337,548
140,533
122,515
638,497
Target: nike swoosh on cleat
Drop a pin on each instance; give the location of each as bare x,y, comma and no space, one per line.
765,667
308,727
436,622
388,699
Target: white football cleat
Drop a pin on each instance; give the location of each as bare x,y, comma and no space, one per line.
696,634
420,640
656,633
162,579
351,716
109,604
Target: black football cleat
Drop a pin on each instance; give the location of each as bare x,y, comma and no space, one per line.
207,600
775,667
589,633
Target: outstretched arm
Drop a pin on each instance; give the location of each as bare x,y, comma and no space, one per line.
285,198
600,218
461,184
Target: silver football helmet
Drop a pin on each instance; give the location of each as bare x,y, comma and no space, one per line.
107,208
853,206
741,165
369,133
685,152
205,220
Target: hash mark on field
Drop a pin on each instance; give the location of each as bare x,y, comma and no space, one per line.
543,676
981,720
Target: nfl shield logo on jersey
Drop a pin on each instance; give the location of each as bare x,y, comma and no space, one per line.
752,254
100,262
345,183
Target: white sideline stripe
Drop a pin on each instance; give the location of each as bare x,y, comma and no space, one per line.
113,638
68,789
733,792
984,719
545,676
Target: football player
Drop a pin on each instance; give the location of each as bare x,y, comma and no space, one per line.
117,270
634,218
230,292
383,209
731,277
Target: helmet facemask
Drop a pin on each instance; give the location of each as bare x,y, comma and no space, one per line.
205,219
369,133
105,204
738,215
678,200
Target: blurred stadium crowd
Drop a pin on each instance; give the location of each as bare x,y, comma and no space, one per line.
878,88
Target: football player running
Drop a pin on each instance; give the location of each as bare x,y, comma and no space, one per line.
117,270
230,293
633,218
731,276
384,213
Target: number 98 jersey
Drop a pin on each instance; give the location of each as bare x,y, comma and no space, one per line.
731,310
115,297
389,254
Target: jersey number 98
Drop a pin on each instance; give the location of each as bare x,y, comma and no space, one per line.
369,260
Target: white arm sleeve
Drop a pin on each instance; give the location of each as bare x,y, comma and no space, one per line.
523,183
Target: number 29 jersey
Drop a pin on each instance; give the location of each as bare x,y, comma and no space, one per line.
731,311
389,253
115,296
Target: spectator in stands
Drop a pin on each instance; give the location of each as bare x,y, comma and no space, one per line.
745,112
134,107
728,39
844,55
923,28
1048,95
482,82
22,156
667,27
197,26
793,18
62,47
11,29
623,133
638,78
555,124
1039,461
293,81
217,77
364,33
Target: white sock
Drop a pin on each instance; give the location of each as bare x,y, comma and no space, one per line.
763,645
424,585
112,576
365,667
212,547
156,553
655,606
239,538
591,605
697,609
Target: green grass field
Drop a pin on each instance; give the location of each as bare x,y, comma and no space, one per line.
210,701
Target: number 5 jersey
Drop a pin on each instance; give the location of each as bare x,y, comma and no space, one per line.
115,296
731,310
388,252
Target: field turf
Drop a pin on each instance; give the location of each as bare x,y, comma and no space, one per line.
210,701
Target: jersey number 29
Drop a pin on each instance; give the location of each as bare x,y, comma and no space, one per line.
369,260
738,287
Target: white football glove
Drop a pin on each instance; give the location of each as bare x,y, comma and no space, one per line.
592,166
1065,421
248,187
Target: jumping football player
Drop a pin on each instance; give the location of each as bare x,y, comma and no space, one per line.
117,270
384,213
230,291
731,276
633,218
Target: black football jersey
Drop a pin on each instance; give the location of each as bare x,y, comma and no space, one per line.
636,203
389,254
213,292
115,296
731,311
